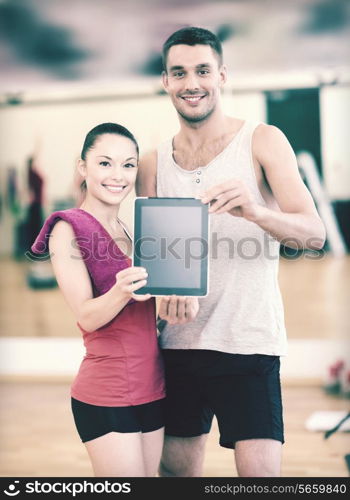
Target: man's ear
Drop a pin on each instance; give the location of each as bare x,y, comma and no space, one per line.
81,167
223,75
165,80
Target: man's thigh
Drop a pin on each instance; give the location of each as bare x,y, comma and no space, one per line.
186,412
258,458
246,399
183,457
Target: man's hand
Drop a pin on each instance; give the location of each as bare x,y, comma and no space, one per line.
178,310
233,197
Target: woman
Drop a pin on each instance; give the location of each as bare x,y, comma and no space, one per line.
117,395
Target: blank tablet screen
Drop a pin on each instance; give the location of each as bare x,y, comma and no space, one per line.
171,242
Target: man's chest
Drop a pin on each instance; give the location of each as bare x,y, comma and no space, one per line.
193,158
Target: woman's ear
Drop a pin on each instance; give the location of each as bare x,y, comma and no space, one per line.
81,167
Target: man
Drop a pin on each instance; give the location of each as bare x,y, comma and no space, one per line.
224,359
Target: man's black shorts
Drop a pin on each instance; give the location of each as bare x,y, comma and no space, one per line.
242,391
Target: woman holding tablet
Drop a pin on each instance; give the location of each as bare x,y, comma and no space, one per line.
117,395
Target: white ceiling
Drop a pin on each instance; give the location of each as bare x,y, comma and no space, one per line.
105,40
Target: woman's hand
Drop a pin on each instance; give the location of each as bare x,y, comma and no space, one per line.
178,310
129,280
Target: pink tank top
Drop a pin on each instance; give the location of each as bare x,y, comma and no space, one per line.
122,365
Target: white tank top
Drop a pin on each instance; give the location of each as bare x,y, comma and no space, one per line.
243,312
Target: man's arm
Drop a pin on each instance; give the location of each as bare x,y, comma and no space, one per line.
146,181
298,219
298,224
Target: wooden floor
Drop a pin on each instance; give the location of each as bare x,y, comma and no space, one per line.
38,437
37,433
316,296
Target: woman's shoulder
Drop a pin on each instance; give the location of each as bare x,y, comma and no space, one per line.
69,220
69,215
62,228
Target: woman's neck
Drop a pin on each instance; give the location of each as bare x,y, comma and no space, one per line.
106,214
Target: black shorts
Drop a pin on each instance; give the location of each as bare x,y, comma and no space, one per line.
94,421
242,391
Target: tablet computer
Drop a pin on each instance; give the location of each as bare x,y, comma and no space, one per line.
171,243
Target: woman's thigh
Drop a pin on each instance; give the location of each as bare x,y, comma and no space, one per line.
152,445
117,454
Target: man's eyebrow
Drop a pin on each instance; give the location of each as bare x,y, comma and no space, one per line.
173,68
198,66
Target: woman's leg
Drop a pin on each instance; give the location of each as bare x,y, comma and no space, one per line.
117,454
152,444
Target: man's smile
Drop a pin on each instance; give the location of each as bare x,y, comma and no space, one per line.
193,99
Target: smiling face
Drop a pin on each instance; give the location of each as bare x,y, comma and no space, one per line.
110,168
193,80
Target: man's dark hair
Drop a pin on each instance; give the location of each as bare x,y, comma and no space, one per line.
192,36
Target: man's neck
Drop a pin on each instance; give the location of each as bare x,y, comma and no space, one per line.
196,147
193,135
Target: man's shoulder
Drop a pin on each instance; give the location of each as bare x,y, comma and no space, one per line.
260,129
265,132
146,176
149,159
269,143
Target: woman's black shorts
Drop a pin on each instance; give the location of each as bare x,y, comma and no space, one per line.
242,391
94,421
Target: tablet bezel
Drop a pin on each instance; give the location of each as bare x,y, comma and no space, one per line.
203,289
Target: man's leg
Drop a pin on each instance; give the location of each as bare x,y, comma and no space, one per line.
187,417
183,457
258,458
245,396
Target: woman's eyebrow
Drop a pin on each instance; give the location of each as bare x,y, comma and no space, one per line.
104,156
111,159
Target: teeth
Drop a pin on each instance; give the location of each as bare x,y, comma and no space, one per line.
113,189
192,99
